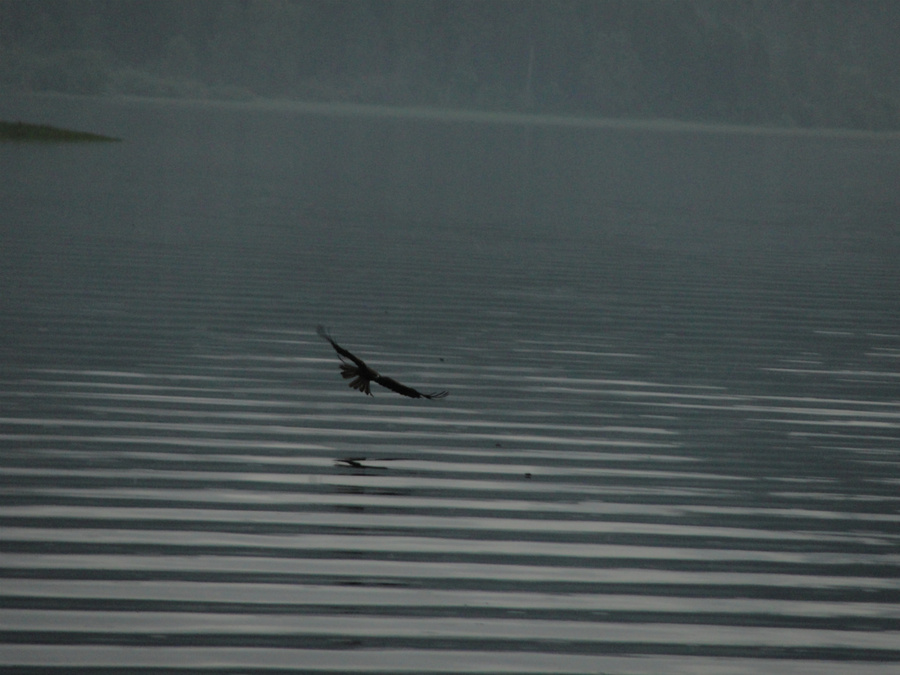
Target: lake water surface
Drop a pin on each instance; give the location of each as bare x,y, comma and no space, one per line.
671,445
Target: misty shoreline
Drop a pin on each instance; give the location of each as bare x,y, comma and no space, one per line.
457,115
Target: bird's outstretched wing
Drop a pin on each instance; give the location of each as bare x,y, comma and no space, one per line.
393,385
340,350
359,374
363,375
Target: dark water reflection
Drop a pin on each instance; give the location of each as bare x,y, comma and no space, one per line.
671,444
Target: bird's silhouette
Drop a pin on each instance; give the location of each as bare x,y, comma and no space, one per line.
362,376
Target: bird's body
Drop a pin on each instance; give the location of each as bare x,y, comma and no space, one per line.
361,376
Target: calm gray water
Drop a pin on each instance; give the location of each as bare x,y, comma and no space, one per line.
671,445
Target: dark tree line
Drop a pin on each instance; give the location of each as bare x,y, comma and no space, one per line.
790,62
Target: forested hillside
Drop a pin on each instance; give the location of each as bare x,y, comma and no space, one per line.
830,63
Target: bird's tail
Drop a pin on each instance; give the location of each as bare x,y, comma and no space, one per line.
360,382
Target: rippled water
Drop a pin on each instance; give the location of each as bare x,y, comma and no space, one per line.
670,445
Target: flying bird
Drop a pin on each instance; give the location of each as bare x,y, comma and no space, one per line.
362,376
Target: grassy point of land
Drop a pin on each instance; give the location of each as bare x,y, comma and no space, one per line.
20,131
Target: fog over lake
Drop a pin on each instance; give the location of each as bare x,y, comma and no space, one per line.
671,443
